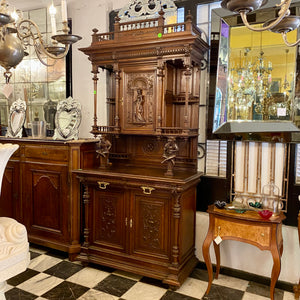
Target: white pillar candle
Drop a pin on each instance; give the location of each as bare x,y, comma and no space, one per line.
252,167
265,164
279,165
239,167
64,11
52,12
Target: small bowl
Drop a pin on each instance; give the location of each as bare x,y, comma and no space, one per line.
265,214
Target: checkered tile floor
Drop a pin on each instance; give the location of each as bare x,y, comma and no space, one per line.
51,275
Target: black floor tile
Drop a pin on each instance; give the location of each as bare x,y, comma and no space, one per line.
57,254
18,279
170,295
17,294
34,254
263,290
199,274
64,269
218,292
66,290
115,285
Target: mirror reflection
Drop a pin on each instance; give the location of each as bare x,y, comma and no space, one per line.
255,90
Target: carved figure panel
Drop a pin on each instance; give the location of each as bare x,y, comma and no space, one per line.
139,101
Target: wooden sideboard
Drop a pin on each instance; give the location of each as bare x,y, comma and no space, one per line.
38,190
140,221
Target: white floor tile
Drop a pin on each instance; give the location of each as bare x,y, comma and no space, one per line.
40,284
249,296
88,277
193,288
231,282
43,262
144,291
288,296
97,295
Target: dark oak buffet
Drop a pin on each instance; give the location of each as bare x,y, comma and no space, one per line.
139,202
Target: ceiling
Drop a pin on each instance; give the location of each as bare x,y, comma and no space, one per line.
33,4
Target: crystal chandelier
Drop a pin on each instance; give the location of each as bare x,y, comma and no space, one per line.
283,24
17,34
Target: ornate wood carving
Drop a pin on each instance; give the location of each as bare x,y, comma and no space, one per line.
140,98
151,222
108,218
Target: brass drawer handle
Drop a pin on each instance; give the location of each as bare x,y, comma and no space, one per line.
102,185
147,190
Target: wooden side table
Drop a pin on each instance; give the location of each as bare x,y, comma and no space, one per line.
247,227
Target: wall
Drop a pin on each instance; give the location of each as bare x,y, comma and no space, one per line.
87,15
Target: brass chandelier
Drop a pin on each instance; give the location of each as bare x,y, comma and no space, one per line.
283,24
17,34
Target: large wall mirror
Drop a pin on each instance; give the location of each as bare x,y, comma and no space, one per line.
256,88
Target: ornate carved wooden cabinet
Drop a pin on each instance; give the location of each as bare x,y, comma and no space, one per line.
139,203
38,190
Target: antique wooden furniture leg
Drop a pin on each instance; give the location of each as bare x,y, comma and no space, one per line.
217,253
206,255
276,267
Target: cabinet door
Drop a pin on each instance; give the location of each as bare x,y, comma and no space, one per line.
46,200
108,217
151,224
10,192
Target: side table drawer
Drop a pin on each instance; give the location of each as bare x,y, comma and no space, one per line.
257,234
47,152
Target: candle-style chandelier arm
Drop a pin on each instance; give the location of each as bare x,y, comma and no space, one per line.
28,30
283,12
284,36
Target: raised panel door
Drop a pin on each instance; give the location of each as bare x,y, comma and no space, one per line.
151,225
45,196
108,217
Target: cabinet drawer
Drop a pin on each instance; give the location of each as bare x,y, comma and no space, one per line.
47,152
257,234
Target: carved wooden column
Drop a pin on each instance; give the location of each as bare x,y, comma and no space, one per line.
86,202
160,90
188,74
176,216
117,79
95,79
